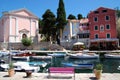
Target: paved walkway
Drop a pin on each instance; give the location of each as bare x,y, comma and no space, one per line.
44,76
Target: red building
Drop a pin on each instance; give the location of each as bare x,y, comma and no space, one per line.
102,25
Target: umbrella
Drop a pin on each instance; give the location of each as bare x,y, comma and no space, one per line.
78,43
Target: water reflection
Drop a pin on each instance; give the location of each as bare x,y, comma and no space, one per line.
109,65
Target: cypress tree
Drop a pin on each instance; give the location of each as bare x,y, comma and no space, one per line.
61,17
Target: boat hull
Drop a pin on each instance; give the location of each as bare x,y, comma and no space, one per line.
83,56
41,57
21,58
57,55
78,66
112,56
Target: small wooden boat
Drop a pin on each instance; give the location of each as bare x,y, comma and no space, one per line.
25,54
84,56
40,63
21,58
79,66
4,53
4,67
113,55
57,55
118,68
41,57
22,66
2,61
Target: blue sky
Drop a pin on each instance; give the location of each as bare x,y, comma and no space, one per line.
38,7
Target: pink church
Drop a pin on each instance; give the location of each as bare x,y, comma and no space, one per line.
14,25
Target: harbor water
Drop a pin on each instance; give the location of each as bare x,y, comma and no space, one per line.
109,65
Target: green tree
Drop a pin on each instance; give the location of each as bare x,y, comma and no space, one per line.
61,17
26,41
71,17
49,21
117,12
40,23
118,29
118,23
79,16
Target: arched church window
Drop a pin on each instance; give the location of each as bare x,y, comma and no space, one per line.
24,36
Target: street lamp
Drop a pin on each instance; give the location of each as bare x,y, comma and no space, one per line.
67,43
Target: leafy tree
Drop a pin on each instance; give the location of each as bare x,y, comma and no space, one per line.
118,29
61,17
71,16
79,16
49,21
118,23
118,12
26,41
40,23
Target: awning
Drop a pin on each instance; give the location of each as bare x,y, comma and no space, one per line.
103,40
78,43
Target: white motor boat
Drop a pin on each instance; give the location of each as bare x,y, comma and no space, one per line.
21,58
57,54
41,64
84,56
79,66
4,67
113,55
4,53
118,68
20,66
41,57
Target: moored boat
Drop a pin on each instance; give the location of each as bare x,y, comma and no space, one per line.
112,55
2,61
84,56
41,57
4,67
20,66
21,58
57,54
79,66
41,64
25,54
118,68
4,53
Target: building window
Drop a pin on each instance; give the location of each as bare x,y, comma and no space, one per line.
107,26
102,28
96,28
96,36
96,12
95,19
24,36
107,18
103,11
85,35
108,35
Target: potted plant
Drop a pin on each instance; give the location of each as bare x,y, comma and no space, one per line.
11,71
98,70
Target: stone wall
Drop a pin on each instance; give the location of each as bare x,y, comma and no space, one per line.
38,46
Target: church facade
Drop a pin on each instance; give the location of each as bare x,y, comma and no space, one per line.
17,24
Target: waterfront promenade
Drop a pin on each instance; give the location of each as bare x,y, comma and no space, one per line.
44,76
